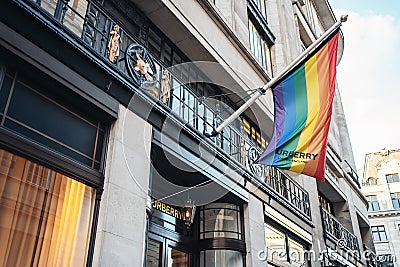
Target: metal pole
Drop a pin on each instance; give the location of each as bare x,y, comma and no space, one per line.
269,85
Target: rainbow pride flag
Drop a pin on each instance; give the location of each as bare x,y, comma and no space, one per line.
303,108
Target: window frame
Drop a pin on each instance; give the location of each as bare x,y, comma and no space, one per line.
395,197
379,229
392,178
372,202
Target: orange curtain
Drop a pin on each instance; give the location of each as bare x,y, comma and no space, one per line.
45,217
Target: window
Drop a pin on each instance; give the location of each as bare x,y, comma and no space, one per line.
325,203
220,220
276,243
371,181
385,260
283,248
392,178
260,48
35,109
261,6
46,217
378,233
395,200
221,257
373,204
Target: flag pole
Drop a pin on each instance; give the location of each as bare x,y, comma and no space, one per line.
261,91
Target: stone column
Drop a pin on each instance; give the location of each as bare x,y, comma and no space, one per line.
120,239
254,231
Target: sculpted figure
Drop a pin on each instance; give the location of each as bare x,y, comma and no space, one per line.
165,87
113,44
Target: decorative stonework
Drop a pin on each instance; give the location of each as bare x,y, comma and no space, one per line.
388,163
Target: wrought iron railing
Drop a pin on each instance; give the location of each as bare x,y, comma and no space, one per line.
334,230
353,174
92,25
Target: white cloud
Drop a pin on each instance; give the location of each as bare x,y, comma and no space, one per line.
369,77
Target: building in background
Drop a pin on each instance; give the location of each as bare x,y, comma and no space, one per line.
381,187
102,118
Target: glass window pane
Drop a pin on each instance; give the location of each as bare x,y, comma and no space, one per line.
296,253
40,114
275,241
220,220
45,216
221,258
153,253
177,258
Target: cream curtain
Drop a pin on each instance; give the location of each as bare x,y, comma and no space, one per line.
45,217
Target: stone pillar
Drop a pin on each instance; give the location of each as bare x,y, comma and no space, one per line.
254,231
120,239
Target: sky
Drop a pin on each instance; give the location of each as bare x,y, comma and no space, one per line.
369,74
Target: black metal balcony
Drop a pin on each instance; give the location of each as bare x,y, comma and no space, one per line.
90,25
335,231
353,174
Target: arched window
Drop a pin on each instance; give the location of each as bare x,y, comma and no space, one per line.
371,181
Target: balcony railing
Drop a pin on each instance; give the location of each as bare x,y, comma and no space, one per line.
353,174
92,24
334,230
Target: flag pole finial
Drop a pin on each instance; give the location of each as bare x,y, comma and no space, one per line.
343,18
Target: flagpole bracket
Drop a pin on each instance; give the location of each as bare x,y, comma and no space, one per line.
262,90
214,133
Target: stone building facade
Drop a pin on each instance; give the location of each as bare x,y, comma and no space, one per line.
104,158
381,188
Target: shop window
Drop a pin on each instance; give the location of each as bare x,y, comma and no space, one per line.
392,178
276,243
281,247
221,258
153,253
296,253
395,200
177,258
373,204
378,233
220,220
46,217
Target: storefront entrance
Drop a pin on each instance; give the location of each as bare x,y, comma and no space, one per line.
162,252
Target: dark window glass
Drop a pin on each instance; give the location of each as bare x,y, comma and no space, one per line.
37,112
4,91
72,131
154,43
